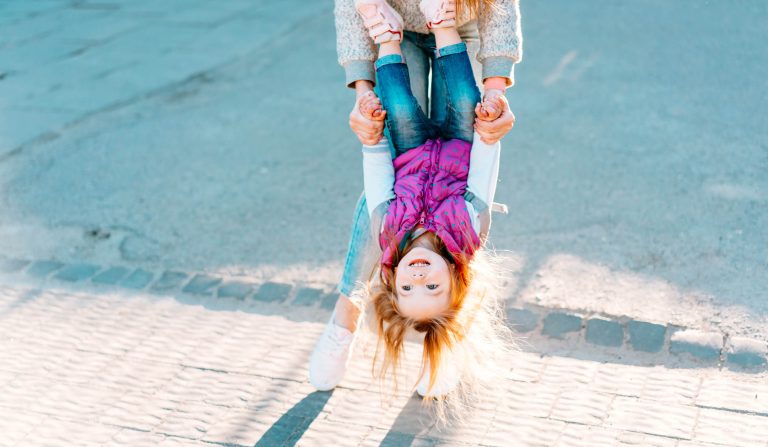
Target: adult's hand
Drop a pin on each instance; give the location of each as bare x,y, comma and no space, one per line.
492,131
368,131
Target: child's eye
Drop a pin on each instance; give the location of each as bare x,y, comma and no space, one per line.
406,288
432,286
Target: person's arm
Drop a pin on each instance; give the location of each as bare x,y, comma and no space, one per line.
483,169
501,41
354,48
378,174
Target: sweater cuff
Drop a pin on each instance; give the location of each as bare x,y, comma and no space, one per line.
499,66
357,70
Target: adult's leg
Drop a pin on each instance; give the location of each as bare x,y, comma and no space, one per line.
347,312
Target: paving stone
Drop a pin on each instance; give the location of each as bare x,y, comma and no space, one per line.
665,385
272,291
234,289
622,380
647,337
605,332
739,393
578,435
138,279
746,352
582,406
169,280
522,320
12,265
563,373
201,284
631,438
729,428
557,324
308,296
647,416
111,275
702,345
41,269
521,430
76,272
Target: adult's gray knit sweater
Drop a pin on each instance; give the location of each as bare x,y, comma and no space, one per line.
501,40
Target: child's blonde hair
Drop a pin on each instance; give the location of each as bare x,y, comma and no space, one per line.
473,326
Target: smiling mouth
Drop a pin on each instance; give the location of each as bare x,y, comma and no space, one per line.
419,263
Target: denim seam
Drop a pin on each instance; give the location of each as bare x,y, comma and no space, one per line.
450,49
390,59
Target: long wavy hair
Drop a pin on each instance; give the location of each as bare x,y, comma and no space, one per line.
470,8
472,328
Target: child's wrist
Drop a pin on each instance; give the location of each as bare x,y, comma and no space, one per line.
495,83
491,93
362,87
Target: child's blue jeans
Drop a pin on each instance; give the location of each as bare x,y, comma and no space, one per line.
406,122
453,84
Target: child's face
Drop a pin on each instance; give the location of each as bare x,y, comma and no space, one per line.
423,284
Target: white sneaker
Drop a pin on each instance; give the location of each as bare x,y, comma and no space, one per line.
330,358
439,13
447,380
383,22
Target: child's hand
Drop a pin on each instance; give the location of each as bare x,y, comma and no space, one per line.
492,131
368,131
492,106
370,106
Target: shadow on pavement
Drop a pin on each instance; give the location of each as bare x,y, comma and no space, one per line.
292,425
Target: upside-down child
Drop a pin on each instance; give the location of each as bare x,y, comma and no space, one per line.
430,211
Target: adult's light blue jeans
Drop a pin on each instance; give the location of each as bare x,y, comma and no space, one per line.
419,51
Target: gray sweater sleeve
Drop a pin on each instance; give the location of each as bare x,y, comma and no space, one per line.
501,38
355,49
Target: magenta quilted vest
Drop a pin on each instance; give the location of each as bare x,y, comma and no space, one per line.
430,181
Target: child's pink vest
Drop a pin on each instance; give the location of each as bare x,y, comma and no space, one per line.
430,182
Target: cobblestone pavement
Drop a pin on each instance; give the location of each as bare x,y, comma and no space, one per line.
135,369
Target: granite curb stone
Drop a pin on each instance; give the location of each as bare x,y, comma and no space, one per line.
42,269
273,291
609,331
645,336
522,320
329,301
700,344
746,352
170,279
138,279
234,289
307,296
201,284
605,332
76,272
111,275
557,324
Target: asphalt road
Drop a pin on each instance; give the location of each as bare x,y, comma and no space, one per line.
216,139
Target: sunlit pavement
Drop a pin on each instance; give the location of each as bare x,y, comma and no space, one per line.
116,368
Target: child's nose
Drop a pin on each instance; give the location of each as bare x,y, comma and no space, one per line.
416,274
